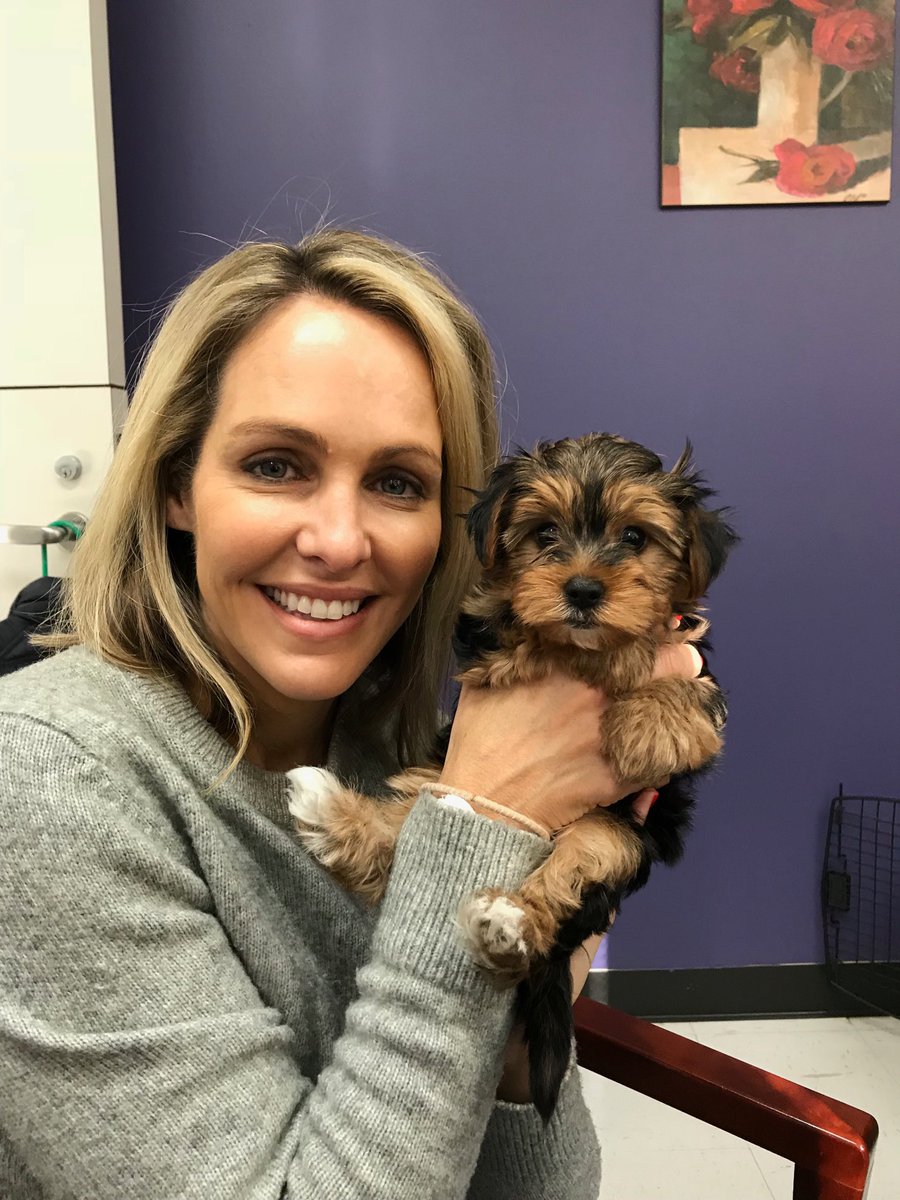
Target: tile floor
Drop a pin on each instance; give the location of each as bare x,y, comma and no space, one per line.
650,1151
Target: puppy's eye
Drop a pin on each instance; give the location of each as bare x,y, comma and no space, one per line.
546,536
634,537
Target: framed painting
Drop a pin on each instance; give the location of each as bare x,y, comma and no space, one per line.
776,101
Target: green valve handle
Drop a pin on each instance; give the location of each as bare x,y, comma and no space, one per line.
74,528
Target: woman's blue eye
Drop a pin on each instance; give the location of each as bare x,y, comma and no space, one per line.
397,485
273,471
280,464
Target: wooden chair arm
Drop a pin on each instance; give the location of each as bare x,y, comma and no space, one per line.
830,1142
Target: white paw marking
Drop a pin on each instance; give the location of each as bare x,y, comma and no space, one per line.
310,794
492,929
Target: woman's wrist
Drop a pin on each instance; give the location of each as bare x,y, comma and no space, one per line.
486,807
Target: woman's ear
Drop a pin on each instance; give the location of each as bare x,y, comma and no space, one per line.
180,512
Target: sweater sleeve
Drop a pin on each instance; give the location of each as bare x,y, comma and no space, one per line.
137,1057
520,1159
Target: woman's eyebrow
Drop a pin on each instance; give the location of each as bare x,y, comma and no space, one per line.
297,433
293,433
402,449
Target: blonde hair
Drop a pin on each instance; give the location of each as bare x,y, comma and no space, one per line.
132,592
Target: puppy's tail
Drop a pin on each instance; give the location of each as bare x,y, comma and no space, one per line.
544,1000
545,1010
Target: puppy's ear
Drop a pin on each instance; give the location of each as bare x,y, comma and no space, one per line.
488,514
709,537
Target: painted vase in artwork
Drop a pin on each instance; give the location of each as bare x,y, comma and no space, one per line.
790,79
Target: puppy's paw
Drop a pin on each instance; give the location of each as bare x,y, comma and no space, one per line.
312,795
658,732
496,932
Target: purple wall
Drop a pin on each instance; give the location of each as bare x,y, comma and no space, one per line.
516,142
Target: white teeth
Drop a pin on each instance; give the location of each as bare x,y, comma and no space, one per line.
321,610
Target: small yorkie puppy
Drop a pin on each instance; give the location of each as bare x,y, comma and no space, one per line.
593,557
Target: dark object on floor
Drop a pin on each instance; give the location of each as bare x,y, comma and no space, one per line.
32,611
861,900
830,1143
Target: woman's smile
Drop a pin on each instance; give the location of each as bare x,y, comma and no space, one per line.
298,600
311,615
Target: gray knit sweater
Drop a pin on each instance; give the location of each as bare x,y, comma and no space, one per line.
191,1007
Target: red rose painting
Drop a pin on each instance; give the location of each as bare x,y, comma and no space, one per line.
739,70
812,170
856,40
777,101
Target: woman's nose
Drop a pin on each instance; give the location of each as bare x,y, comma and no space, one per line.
332,530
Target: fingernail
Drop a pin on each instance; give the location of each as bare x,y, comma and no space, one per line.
654,798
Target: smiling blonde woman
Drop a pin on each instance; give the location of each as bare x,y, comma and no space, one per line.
134,598
190,1006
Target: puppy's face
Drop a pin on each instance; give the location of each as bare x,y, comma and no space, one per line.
592,542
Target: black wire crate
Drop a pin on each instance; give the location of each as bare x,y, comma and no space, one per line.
861,900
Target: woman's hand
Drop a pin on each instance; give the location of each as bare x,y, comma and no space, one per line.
535,748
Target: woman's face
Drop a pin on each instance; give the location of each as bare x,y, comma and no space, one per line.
315,502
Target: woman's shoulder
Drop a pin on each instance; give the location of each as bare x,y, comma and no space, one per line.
73,690
136,734
104,712
84,775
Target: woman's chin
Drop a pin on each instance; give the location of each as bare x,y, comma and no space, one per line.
318,683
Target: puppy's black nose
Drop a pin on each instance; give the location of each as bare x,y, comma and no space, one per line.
582,592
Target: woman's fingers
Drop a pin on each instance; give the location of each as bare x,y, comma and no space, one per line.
680,659
642,803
